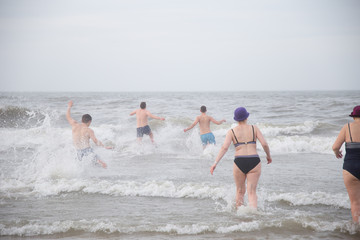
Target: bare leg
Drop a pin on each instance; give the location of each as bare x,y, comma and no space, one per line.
252,181
102,163
151,135
139,139
239,178
352,185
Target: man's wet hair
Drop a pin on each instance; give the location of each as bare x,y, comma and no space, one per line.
143,105
203,109
86,118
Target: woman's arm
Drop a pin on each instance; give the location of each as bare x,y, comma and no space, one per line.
222,151
339,142
263,143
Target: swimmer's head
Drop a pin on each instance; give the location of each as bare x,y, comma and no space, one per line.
143,105
240,114
356,112
203,109
86,118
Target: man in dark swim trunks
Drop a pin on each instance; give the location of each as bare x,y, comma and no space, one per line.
142,116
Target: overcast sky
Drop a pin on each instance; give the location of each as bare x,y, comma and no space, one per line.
179,45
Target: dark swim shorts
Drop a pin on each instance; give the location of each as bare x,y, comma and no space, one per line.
143,130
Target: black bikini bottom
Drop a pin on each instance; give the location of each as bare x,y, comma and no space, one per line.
246,163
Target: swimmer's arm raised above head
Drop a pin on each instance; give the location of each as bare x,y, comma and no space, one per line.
68,114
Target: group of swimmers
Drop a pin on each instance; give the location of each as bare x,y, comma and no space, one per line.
247,164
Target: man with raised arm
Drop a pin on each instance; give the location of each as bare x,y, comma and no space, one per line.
142,116
82,134
207,137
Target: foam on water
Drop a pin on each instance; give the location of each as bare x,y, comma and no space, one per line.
312,198
53,186
36,228
282,139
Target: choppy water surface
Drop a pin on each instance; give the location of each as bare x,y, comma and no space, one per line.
165,190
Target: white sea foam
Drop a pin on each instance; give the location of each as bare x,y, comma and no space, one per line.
301,144
38,228
186,229
311,198
330,226
170,138
294,129
50,187
168,189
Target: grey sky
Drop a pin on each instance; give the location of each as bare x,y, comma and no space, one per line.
188,45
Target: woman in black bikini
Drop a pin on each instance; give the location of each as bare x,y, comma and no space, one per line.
350,134
247,165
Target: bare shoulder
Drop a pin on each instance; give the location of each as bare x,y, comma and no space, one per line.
205,117
345,127
257,130
229,133
73,122
90,131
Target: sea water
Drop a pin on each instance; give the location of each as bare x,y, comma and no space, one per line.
165,190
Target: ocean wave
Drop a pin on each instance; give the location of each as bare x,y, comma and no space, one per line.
301,144
39,228
312,198
167,189
169,136
330,226
11,188
20,117
305,128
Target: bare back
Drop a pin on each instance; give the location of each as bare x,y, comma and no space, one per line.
81,135
244,133
204,123
354,130
141,117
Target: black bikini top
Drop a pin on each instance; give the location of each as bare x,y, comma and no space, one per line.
244,143
351,144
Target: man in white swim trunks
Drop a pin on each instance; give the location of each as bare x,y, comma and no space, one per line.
207,137
81,134
142,116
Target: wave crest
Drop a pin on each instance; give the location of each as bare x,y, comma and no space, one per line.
20,117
